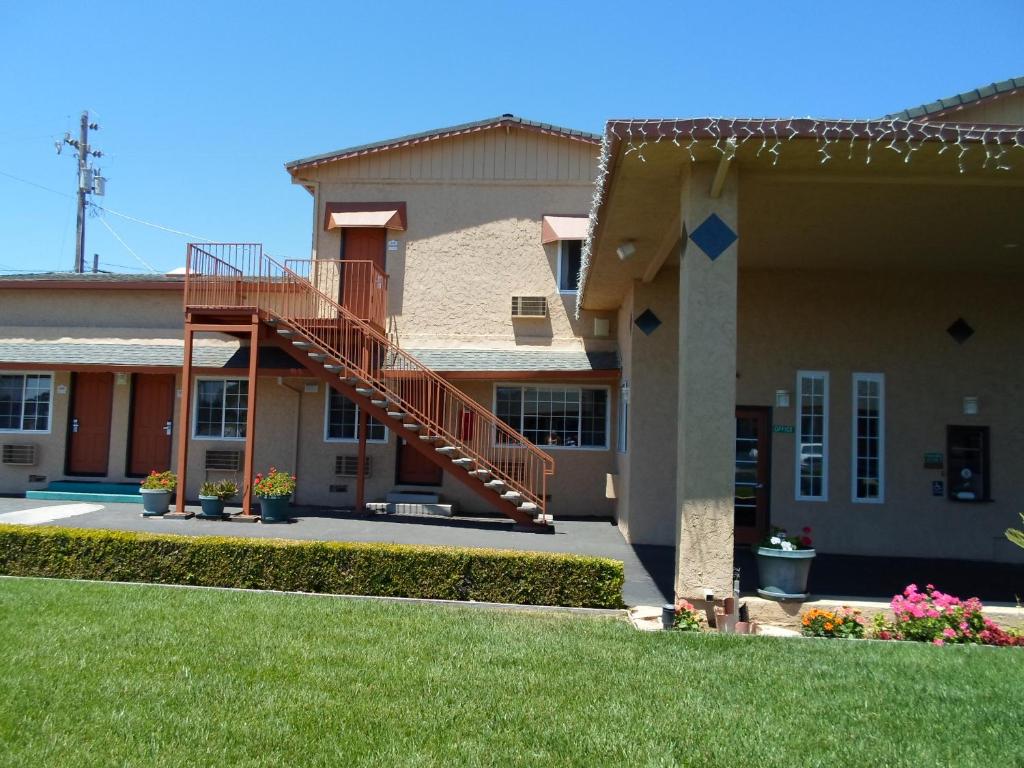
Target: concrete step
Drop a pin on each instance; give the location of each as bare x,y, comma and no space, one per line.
286,332
333,367
528,506
365,391
430,438
396,414
412,510
413,427
463,462
447,450
301,344
512,495
379,403
411,497
317,357
497,485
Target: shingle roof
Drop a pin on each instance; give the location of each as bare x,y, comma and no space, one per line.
137,355
94,277
516,360
960,99
438,133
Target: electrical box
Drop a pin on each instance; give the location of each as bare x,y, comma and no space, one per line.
99,186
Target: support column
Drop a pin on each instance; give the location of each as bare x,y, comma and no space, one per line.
361,466
707,384
250,416
184,416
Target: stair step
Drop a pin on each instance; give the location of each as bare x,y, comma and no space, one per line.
353,380
544,519
483,474
447,450
412,497
495,484
411,509
333,367
365,391
318,357
511,495
463,462
429,438
379,403
413,427
272,321
286,332
528,506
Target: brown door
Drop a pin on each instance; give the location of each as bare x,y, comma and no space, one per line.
360,244
149,442
753,473
414,468
92,397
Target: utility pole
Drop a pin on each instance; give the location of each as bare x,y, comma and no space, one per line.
89,181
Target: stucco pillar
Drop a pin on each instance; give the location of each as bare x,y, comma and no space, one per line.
707,385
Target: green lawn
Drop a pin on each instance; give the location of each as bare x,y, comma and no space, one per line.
112,675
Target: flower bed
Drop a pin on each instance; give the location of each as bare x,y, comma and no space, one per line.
843,623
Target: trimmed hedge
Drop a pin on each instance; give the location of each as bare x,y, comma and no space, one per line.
393,570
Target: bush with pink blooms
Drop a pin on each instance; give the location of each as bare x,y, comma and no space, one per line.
935,617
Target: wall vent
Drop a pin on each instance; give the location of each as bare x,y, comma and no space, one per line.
223,461
529,306
19,454
347,466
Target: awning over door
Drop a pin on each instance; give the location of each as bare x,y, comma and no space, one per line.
563,228
376,215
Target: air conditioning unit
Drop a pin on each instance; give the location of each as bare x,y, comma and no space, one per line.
223,461
529,306
348,466
19,454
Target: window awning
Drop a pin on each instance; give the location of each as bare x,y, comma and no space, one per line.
378,215
554,228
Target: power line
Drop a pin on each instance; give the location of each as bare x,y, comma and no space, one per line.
197,238
34,184
138,258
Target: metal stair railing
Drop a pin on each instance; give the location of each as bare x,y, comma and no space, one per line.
222,276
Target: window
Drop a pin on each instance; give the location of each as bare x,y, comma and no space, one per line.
969,471
341,421
221,408
556,416
623,424
868,469
570,254
812,436
25,401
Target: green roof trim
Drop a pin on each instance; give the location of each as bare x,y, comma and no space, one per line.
959,100
453,130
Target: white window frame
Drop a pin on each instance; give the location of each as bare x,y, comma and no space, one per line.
327,423
561,387
622,420
195,409
880,379
800,376
558,276
49,414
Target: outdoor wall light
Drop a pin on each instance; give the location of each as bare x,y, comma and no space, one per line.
970,406
626,250
121,378
782,398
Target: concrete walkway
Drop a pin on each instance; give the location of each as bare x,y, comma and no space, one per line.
648,569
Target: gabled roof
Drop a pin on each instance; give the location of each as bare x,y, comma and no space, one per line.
961,99
443,133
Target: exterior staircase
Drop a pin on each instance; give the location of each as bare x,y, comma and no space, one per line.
342,342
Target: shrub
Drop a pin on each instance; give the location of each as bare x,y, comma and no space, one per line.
274,483
223,490
843,623
446,573
1015,534
687,618
160,481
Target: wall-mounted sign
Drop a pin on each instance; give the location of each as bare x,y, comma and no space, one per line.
938,488
392,245
933,461
783,429
62,389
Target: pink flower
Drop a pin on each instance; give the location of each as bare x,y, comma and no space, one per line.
949,633
938,641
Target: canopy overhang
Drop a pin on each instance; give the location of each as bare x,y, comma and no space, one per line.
563,227
374,215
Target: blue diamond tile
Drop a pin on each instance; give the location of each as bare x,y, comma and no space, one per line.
713,236
647,322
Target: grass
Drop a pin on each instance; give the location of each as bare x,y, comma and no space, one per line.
109,675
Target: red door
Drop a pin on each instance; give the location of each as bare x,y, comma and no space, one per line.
753,474
149,445
92,396
416,469
365,245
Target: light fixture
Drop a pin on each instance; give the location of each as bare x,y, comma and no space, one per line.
121,378
970,406
782,398
626,250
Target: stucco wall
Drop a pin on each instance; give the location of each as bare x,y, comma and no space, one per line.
892,323
91,308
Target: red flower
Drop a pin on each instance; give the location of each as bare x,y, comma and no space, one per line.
807,529
805,541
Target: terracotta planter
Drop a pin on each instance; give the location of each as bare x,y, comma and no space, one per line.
274,509
155,501
783,575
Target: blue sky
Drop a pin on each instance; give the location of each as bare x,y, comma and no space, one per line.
200,105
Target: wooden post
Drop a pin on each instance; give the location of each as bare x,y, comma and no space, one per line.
184,416
250,415
361,466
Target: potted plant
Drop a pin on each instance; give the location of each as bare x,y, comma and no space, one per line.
274,490
783,565
212,497
156,490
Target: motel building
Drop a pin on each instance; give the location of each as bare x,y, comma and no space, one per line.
695,328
